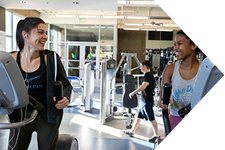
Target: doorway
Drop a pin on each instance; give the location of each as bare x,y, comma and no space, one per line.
80,53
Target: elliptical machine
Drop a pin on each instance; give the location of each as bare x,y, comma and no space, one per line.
207,77
13,95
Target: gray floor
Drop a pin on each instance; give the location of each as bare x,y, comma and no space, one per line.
94,136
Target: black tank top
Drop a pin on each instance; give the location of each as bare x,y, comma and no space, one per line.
35,81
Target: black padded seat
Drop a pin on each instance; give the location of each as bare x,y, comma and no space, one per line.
129,87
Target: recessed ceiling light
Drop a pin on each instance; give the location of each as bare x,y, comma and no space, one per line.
170,25
84,16
82,27
23,2
134,17
148,24
167,30
66,16
148,29
130,28
133,24
115,17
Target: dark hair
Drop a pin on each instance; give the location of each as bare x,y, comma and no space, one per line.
146,63
197,50
27,25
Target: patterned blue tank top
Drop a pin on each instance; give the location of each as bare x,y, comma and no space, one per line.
181,90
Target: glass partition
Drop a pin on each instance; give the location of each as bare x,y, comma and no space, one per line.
82,33
59,48
73,60
57,32
78,44
16,19
107,32
106,51
9,23
9,44
90,52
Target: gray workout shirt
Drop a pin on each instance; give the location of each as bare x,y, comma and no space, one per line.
181,90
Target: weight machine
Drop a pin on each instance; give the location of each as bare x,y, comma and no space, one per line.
128,84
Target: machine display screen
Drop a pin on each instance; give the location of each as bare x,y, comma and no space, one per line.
111,64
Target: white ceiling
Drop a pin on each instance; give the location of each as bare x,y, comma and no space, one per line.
109,5
98,7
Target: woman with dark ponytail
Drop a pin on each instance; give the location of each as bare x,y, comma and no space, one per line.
37,69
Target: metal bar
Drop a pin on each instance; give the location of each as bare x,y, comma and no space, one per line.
114,74
129,64
138,81
138,62
102,94
135,68
19,124
129,54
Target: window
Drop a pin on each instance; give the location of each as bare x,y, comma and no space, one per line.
16,19
106,32
59,48
9,31
57,32
167,36
9,43
11,24
160,35
106,51
153,35
82,33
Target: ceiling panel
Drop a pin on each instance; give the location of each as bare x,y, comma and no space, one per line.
109,5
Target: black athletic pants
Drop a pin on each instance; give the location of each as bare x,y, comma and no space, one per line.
20,138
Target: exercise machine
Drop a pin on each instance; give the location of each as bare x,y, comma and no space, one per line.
159,58
207,77
88,86
14,95
107,94
156,59
128,84
78,87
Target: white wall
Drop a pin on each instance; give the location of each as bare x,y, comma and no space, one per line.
155,44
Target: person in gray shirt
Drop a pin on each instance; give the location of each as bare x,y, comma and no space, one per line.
182,75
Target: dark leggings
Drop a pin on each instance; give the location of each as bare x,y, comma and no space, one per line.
40,125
